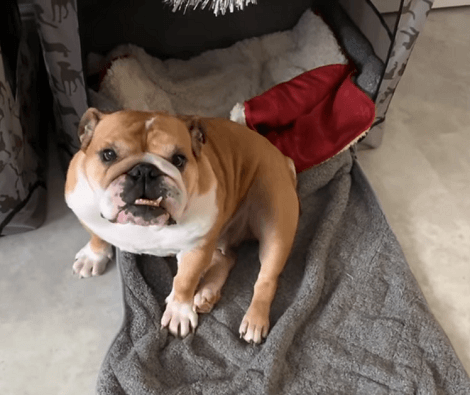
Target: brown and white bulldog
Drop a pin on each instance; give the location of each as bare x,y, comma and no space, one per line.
148,182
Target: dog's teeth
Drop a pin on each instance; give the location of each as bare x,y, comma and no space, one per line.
148,202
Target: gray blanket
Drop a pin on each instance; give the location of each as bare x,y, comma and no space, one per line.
348,318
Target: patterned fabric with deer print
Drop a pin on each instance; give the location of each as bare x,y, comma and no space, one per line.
411,21
58,29
22,161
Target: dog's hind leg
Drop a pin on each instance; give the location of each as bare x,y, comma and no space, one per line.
209,291
275,225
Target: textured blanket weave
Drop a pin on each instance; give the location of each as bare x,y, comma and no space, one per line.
348,317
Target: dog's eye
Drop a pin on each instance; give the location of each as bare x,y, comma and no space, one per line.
179,160
108,155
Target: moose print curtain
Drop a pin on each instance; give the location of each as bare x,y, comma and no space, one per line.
411,19
57,23
22,153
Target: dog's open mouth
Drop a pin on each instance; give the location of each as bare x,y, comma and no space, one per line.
148,208
128,202
145,212
150,211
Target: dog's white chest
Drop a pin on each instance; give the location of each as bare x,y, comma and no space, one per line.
152,240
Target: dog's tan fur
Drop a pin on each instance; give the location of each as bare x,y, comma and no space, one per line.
255,196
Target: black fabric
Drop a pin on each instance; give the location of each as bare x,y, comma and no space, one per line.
10,33
348,317
163,33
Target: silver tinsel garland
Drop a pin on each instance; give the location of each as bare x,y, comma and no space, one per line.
218,6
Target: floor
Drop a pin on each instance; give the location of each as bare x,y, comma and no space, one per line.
55,329
421,172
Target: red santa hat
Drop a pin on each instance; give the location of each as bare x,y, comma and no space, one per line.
312,117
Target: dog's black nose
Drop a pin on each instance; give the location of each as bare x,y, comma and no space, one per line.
145,181
144,170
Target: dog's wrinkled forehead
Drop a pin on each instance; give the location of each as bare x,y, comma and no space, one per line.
135,132
115,142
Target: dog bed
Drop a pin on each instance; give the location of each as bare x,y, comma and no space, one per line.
213,82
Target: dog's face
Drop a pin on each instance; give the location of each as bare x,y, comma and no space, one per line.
142,167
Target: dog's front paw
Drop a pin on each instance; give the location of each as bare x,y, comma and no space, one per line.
89,263
179,317
255,326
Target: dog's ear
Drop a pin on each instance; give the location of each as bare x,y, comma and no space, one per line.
87,126
196,129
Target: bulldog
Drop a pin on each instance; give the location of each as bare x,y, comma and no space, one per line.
195,188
